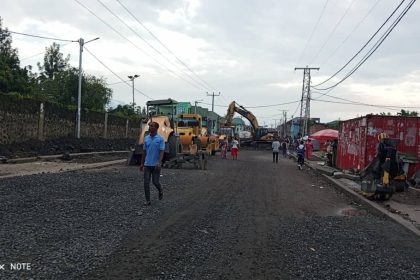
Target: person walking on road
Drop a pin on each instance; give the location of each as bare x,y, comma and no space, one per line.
235,148
308,149
153,149
284,147
276,147
223,148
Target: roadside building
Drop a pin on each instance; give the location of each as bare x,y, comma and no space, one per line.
238,124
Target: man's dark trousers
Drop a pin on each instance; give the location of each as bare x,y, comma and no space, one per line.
151,172
276,157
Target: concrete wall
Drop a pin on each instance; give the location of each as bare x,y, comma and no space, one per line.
24,119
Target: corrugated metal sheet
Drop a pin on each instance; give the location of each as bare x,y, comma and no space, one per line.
358,139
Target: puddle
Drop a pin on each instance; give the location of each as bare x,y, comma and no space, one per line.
351,212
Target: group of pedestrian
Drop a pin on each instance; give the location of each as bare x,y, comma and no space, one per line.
233,145
154,147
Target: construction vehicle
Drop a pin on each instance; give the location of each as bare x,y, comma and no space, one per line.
260,135
166,130
384,174
191,131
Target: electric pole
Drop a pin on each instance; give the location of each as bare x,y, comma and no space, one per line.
305,106
79,91
284,122
195,105
212,107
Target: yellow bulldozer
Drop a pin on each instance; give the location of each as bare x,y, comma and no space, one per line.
191,132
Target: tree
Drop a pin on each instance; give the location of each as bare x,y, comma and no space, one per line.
58,82
12,77
54,62
407,113
95,93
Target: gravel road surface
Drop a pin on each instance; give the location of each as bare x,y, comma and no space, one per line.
244,219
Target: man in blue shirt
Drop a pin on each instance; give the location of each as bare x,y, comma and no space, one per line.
153,149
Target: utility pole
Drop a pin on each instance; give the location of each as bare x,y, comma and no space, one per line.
212,99
305,107
284,122
195,105
212,107
79,91
132,81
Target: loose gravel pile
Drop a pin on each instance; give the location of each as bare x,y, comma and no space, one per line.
66,224
61,145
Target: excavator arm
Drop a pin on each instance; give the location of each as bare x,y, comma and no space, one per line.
241,111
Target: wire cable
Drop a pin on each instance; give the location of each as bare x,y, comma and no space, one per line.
368,105
262,106
150,45
35,55
137,47
313,31
374,48
42,37
161,43
110,70
361,103
332,32
351,33
363,47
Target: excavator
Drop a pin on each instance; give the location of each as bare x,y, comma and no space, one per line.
260,134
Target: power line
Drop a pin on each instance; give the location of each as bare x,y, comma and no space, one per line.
116,83
110,70
361,103
161,43
332,32
313,31
262,106
350,103
35,55
363,47
137,47
351,32
150,45
42,37
374,48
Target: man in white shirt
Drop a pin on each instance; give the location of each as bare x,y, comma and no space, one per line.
235,148
275,146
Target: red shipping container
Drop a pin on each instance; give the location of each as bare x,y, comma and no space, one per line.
358,140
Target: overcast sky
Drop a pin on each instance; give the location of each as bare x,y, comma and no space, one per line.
245,49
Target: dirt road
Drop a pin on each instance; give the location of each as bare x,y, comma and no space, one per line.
244,219
252,219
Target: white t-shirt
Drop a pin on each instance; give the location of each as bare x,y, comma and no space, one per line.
235,144
275,145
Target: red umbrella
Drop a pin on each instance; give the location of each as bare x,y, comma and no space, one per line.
325,134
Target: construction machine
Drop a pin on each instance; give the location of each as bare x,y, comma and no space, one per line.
260,134
384,174
166,130
191,131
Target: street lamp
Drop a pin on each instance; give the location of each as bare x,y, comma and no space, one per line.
132,80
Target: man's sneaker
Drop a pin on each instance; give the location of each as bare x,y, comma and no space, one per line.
147,203
160,195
